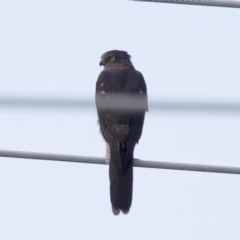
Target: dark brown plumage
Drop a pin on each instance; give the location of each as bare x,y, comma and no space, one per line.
121,100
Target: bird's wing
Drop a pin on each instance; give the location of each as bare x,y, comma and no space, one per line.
114,125
121,102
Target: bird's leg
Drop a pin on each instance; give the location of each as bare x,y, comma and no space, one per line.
108,154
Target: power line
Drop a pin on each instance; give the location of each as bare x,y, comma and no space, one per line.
215,3
76,104
137,162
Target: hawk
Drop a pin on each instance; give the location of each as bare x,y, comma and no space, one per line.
121,101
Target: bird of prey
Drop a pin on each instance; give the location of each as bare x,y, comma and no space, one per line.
121,101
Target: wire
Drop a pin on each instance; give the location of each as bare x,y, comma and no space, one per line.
216,3
75,104
137,162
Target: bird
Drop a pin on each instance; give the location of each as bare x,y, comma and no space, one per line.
121,101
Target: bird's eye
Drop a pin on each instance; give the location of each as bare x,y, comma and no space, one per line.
112,58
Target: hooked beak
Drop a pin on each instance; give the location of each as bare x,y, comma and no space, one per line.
102,62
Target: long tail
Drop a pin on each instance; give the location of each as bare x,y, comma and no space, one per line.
121,177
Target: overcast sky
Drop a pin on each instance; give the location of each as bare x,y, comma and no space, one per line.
186,53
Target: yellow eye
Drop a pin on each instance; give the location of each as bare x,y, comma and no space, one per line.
112,58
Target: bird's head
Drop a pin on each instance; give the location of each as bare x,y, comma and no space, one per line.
115,59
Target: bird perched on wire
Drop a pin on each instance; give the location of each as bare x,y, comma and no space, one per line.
121,101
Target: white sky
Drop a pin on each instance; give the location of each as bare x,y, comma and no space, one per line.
52,49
